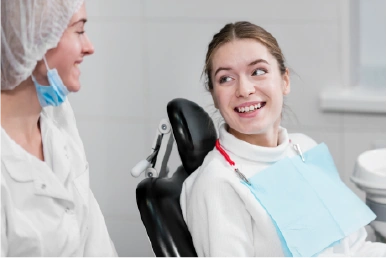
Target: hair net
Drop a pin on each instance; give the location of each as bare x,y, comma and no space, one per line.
28,29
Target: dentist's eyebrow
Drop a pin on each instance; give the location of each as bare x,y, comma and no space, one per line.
84,20
258,61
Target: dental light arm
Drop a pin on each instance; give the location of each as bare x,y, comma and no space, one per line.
163,143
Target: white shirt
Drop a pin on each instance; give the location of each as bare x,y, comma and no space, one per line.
47,208
223,216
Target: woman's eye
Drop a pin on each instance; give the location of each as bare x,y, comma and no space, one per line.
81,32
259,72
225,79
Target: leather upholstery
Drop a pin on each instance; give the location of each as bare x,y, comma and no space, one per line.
158,198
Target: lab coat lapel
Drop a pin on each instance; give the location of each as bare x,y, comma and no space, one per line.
82,184
47,184
52,178
55,149
58,163
60,159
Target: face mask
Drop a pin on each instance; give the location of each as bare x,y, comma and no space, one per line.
54,94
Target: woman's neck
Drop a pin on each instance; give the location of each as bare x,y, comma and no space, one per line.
20,111
268,139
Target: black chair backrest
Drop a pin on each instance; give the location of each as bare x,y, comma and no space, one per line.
158,198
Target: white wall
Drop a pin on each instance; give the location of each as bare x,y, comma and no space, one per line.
149,52
372,42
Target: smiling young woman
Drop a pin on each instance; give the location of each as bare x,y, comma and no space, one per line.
247,77
263,191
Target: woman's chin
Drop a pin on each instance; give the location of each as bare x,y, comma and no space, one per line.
248,129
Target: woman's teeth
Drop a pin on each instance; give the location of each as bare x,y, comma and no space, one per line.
249,108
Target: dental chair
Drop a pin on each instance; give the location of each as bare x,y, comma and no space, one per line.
158,195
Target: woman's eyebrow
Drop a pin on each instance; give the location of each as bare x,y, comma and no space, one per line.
250,64
84,20
258,61
220,69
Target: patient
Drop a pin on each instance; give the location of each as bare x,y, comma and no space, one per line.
262,191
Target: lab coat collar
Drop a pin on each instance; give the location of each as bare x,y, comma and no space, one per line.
15,159
23,168
45,182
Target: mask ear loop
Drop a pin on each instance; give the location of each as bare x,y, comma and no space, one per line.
33,78
45,62
47,67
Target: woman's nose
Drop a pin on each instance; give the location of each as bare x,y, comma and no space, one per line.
88,48
245,88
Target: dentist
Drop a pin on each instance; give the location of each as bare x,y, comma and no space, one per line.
47,207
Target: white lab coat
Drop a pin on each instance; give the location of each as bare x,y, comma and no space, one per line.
47,208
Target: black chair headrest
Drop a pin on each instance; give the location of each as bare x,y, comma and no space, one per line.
193,131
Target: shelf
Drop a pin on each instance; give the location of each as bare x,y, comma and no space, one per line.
355,99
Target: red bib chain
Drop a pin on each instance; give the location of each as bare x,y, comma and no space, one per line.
231,162
239,173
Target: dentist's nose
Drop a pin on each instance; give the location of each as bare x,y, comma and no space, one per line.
88,48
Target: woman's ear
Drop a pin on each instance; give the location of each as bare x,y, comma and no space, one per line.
286,87
214,99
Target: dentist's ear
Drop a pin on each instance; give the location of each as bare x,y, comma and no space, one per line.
286,82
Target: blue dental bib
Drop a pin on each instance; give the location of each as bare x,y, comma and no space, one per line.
310,206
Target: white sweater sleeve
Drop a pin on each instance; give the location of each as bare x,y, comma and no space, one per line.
360,247
219,222
3,233
4,239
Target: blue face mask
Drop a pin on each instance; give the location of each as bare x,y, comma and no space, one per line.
54,94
